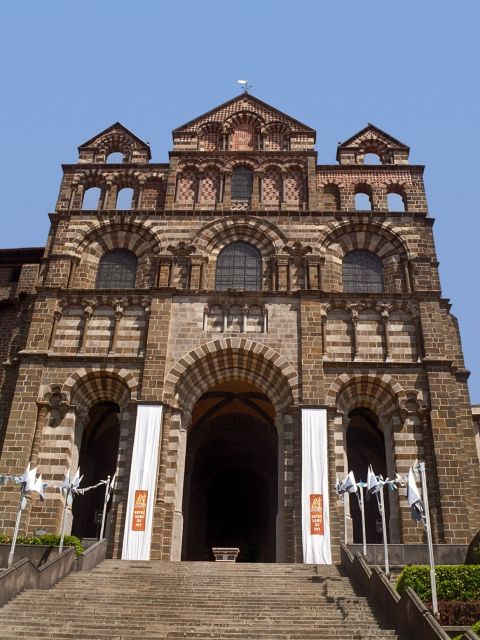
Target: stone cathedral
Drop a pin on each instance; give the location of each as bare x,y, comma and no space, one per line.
186,320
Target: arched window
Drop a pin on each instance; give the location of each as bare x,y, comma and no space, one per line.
124,198
362,272
396,201
239,266
242,183
363,201
117,270
116,157
91,198
372,158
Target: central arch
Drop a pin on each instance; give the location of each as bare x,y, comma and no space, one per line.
234,397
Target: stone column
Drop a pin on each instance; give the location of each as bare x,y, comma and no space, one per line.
419,338
76,196
392,496
280,518
384,315
323,327
406,275
227,194
75,261
42,414
118,315
354,317
56,319
110,196
255,200
179,422
87,316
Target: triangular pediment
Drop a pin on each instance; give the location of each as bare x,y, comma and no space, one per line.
371,139
116,138
118,130
245,103
371,133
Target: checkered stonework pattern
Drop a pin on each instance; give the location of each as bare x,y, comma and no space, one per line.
210,191
301,338
272,187
187,187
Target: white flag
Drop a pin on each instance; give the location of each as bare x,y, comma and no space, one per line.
349,485
39,487
373,483
414,499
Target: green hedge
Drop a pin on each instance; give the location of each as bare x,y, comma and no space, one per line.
475,628
49,539
459,582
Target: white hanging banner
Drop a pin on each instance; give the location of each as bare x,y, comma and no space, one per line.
315,488
143,483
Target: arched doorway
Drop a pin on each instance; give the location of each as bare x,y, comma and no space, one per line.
366,445
97,460
230,489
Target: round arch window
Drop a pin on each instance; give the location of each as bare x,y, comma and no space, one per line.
362,272
239,266
117,270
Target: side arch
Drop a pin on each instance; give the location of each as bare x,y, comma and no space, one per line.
382,394
87,386
126,235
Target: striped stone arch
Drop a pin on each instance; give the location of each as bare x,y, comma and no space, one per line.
270,165
243,117
216,164
276,125
118,235
377,238
264,235
228,360
93,177
252,163
382,394
87,386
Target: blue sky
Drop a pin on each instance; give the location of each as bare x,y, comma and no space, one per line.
71,69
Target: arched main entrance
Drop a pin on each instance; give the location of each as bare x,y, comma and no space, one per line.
231,477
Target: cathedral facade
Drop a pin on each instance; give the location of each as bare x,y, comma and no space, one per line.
234,290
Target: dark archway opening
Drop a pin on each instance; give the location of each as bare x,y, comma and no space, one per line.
366,445
97,460
230,491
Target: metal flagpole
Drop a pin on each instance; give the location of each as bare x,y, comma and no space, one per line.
433,583
346,496
384,530
64,520
105,502
362,511
21,506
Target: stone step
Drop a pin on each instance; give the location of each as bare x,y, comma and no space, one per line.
195,601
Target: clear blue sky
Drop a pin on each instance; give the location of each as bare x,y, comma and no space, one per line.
70,69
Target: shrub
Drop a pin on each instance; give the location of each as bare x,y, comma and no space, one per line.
460,582
49,539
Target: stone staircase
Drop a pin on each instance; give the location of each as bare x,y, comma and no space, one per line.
180,600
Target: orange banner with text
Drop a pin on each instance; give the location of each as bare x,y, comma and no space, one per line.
139,510
316,514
